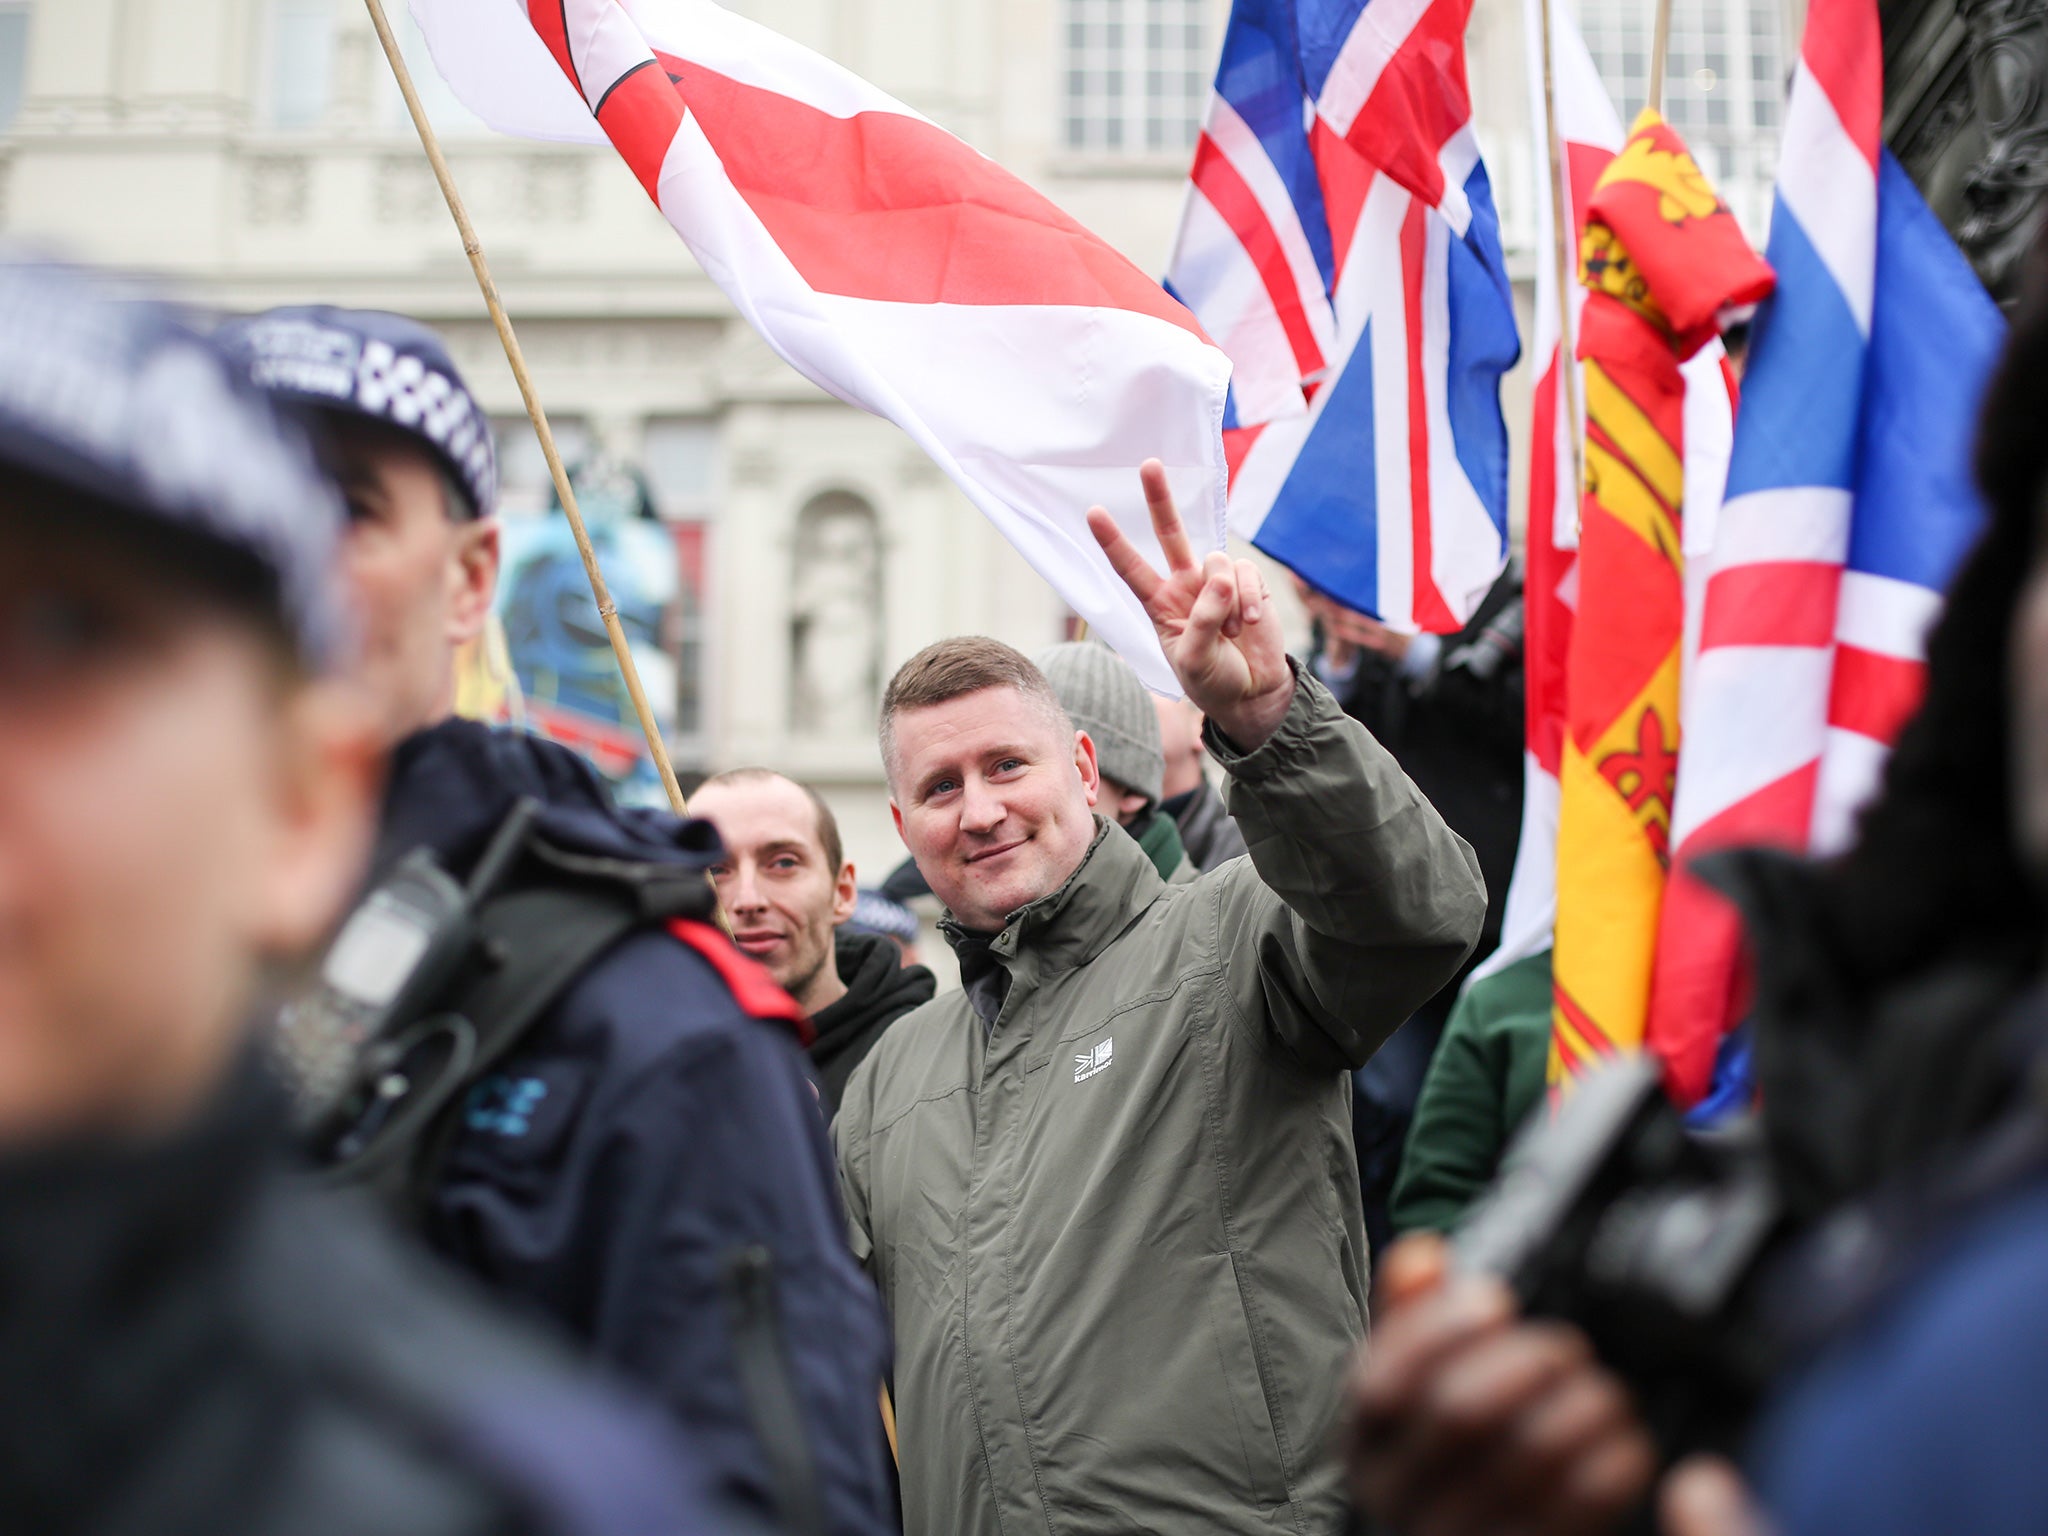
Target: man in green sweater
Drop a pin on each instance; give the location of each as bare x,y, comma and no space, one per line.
1486,1078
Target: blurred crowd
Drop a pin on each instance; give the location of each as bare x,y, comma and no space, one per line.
399,1135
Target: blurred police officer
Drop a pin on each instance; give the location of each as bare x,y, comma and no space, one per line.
635,1149
193,1340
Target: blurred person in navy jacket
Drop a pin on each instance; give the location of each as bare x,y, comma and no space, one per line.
647,1166
195,1338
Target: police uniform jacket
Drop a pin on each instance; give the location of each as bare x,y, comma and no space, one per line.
648,1133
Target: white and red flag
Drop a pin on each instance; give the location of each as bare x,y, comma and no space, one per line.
887,261
1590,134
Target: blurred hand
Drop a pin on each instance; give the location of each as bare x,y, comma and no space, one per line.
1346,630
1705,1496
1364,631
1214,620
1465,1419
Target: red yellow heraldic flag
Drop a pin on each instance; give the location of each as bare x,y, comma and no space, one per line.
1665,264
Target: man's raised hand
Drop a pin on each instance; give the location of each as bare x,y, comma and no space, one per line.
1215,620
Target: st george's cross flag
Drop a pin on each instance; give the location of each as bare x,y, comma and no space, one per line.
1849,505
888,262
1665,267
1589,134
1339,241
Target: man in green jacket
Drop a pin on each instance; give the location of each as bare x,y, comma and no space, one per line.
1108,1191
1484,1081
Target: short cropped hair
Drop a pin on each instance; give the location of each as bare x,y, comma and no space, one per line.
952,669
828,824
333,431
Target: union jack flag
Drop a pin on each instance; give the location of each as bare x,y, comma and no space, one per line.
1339,241
1848,506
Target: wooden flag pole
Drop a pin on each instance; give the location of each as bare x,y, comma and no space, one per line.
1660,45
606,609
1563,238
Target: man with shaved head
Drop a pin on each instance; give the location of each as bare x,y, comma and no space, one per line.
1108,1192
785,886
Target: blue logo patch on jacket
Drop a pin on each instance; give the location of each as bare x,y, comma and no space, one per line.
504,1106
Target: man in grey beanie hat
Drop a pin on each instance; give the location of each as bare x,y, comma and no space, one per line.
1102,696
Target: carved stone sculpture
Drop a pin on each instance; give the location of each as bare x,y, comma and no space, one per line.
836,619
1966,111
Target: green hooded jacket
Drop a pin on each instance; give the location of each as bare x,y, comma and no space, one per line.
1484,1080
1160,839
1118,1232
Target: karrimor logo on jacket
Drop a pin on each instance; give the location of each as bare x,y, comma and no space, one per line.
1088,1063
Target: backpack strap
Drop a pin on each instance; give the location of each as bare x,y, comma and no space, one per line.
531,944
551,919
752,987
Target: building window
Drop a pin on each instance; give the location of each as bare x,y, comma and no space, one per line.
1137,75
680,454
835,624
301,59
1767,71
444,111
1724,86
687,638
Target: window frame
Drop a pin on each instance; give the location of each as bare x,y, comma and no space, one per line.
26,10
270,93
1141,92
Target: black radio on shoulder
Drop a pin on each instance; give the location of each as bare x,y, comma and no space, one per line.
433,980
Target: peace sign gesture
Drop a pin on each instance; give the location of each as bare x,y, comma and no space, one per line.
1215,620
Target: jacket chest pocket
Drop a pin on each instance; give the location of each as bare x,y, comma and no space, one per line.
1144,1059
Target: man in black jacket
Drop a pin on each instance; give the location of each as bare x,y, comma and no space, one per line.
194,1339
645,1165
786,887
1449,707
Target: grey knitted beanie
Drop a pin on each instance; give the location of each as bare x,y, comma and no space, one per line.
1104,697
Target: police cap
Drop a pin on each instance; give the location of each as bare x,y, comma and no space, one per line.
115,396
383,367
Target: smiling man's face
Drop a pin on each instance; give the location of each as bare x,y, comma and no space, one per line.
782,897
992,793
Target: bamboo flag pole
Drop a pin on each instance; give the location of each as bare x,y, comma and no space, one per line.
1563,237
606,609
1660,45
